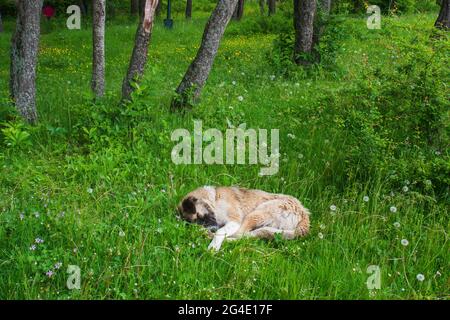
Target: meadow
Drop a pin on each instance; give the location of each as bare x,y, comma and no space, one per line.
93,184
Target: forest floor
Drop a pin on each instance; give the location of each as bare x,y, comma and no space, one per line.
89,191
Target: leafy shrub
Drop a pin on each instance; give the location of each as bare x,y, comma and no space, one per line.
396,122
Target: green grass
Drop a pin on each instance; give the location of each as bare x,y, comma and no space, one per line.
125,236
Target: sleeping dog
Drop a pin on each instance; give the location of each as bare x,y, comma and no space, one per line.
238,212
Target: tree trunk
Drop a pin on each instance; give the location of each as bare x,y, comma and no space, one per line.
84,7
443,21
24,53
304,15
326,6
272,7
134,10
139,57
239,11
198,72
188,9
261,6
158,8
98,62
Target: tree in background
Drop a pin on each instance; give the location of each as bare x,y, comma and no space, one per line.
326,6
24,53
188,12
239,11
139,57
262,4
272,7
134,10
443,21
98,63
192,84
304,17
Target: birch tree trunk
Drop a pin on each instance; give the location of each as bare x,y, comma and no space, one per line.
443,21
188,9
272,7
304,15
98,61
139,57
24,53
198,72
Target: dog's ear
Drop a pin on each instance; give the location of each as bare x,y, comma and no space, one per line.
188,205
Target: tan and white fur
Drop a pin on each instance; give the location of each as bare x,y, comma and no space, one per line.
239,212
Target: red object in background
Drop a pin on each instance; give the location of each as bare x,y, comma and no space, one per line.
48,11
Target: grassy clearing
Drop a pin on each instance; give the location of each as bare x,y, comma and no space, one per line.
102,195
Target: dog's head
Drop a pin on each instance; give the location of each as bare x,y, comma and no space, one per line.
196,207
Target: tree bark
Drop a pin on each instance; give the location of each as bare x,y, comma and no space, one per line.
272,7
188,9
304,15
84,7
198,72
98,61
326,6
443,21
139,57
24,53
134,10
239,11
261,6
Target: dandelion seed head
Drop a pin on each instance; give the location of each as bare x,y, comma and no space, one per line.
404,242
393,209
420,277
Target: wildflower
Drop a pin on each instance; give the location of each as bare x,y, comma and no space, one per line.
397,224
36,214
420,277
58,265
393,209
272,77
366,199
300,156
241,98
21,216
333,207
320,235
49,273
48,12
404,242
121,233
38,240
233,83
89,190
405,189
33,247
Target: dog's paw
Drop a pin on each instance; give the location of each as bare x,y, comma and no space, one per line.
215,244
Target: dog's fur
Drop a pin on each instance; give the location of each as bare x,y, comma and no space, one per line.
239,212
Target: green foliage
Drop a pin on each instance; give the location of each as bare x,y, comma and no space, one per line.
16,135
